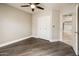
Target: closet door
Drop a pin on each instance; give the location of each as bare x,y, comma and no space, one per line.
43,27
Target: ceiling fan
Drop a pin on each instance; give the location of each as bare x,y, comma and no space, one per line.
33,6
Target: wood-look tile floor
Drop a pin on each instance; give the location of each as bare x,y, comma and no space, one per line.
37,47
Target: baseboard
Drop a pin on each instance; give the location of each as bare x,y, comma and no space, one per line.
54,40
39,37
47,39
8,43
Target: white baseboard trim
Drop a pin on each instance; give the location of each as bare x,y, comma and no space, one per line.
54,40
8,43
39,37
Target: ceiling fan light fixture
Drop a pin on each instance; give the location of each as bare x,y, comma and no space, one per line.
33,6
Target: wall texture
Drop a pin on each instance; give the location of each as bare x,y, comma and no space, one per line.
14,24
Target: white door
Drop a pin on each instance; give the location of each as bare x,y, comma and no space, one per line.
43,27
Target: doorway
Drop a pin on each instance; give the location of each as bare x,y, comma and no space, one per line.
67,29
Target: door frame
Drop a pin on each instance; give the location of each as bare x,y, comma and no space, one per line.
75,34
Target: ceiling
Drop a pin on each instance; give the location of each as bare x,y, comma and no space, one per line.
44,5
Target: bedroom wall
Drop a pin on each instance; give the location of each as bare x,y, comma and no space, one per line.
14,24
56,25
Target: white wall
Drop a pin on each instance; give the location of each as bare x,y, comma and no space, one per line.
42,23
56,25
14,24
68,10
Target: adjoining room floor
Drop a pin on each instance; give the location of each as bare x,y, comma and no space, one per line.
37,47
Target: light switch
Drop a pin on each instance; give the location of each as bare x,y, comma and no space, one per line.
53,26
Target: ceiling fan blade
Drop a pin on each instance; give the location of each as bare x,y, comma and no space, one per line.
32,9
36,3
40,7
25,5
